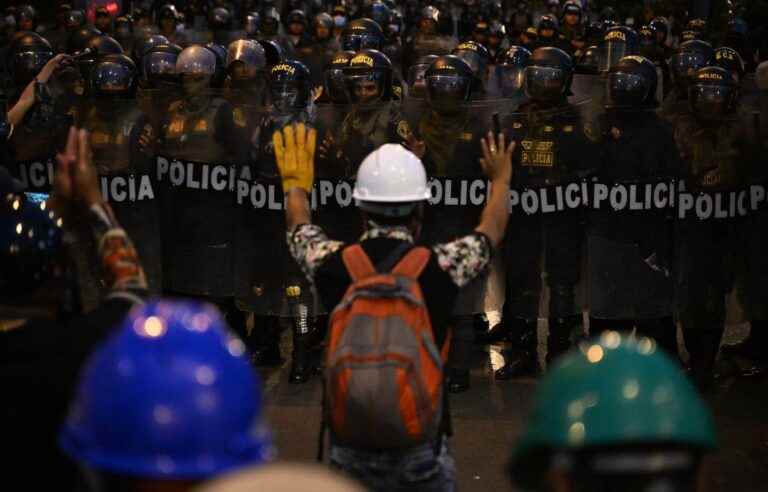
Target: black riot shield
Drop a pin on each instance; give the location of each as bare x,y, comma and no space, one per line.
555,158
122,142
200,155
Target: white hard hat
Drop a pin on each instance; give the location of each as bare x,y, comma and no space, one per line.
282,477
390,180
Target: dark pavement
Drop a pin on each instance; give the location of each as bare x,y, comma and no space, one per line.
488,418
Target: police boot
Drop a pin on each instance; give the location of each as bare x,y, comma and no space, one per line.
264,341
480,324
460,355
559,339
751,353
319,332
498,333
703,343
663,331
520,358
301,367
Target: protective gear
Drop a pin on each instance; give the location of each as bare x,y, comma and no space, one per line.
511,70
251,24
549,75
75,20
270,22
158,66
168,11
323,19
78,39
381,14
698,25
30,240
602,401
296,17
689,58
417,83
273,51
712,93
449,83
113,76
219,19
368,66
30,52
361,34
547,23
245,61
170,365
333,77
220,74
729,59
142,46
289,86
476,55
572,8
389,181
590,61
660,28
520,356
618,42
196,60
631,84
430,13
295,156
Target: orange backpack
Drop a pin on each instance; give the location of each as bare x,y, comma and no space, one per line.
383,371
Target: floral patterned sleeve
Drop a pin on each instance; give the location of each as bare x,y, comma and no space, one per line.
310,247
465,258
121,268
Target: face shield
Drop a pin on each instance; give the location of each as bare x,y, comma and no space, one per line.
625,90
511,78
417,83
610,54
710,102
448,93
160,69
286,96
335,85
27,64
359,41
112,80
684,65
251,25
249,54
546,84
364,87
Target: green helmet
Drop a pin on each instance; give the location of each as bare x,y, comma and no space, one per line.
611,393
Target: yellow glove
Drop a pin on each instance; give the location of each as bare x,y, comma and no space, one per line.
295,155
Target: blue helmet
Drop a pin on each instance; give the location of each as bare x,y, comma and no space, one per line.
170,396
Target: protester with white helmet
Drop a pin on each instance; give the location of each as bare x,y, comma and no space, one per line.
390,191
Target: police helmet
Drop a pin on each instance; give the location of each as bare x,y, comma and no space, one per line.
362,34
548,76
123,27
251,23
729,59
168,11
158,66
590,61
296,17
572,8
620,414
220,75
169,396
78,39
417,83
497,29
688,59
246,61
618,42
631,84
380,13
30,241
270,21
366,67
475,54
333,77
30,53
712,93
26,17
273,51
431,13
660,28
547,23
323,19
450,82
646,37
196,60
511,70
594,33
219,19
104,45
289,86
113,76
75,20
143,45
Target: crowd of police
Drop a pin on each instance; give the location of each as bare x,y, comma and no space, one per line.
637,195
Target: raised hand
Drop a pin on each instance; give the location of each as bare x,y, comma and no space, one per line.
295,154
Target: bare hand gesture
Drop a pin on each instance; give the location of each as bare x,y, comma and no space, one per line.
76,179
497,158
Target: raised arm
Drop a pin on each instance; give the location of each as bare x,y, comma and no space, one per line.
497,165
295,155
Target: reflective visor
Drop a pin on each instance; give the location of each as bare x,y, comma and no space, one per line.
159,64
686,63
710,101
511,79
357,42
610,54
112,78
449,89
544,83
364,87
334,82
31,61
625,90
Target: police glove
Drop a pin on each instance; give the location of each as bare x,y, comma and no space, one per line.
295,154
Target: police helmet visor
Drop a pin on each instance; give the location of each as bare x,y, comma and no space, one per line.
109,78
710,101
511,79
27,64
364,86
626,90
251,25
335,85
448,90
159,65
472,58
248,52
544,83
285,95
196,65
416,80
610,54
686,64
360,41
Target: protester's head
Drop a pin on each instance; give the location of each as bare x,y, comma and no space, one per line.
391,187
168,401
614,414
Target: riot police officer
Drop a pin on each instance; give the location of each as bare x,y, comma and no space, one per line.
629,253
121,136
556,146
415,81
301,41
548,31
220,24
168,20
200,156
718,147
427,40
158,82
478,58
362,34
451,130
324,45
618,42
683,65
573,29
510,68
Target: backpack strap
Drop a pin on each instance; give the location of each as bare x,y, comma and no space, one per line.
357,262
413,263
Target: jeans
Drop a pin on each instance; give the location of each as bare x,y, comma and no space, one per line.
417,469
